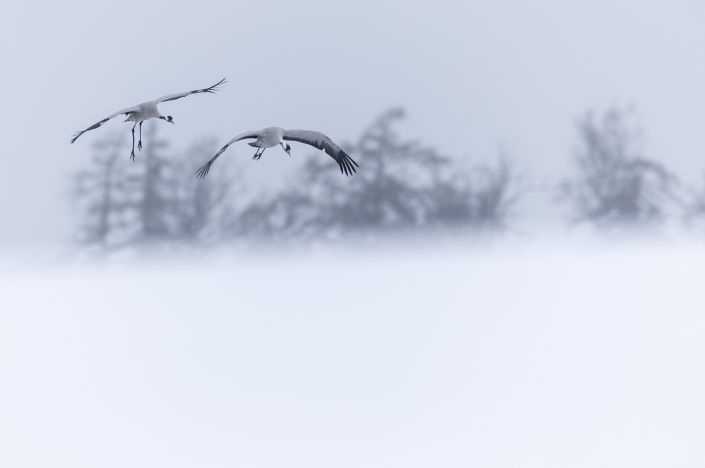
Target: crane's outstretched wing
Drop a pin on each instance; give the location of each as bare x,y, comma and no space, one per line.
127,111
203,171
173,97
322,142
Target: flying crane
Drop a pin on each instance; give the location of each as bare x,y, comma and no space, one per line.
273,136
145,111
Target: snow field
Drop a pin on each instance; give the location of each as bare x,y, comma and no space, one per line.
535,357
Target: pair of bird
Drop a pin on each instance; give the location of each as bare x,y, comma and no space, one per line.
267,138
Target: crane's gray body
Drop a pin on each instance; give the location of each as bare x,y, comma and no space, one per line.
145,111
269,138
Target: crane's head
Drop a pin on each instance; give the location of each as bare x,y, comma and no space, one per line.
167,118
286,147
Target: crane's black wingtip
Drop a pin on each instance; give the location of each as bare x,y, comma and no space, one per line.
347,166
214,88
203,171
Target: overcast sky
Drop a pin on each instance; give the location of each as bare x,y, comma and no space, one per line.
472,75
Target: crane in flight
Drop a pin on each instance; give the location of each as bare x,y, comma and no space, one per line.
273,136
145,111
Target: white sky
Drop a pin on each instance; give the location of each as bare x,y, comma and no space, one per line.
471,74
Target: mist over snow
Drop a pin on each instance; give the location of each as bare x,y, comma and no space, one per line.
504,354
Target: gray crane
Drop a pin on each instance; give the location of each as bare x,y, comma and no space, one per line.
145,111
273,136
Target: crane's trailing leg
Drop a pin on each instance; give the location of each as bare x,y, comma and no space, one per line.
139,145
132,156
258,154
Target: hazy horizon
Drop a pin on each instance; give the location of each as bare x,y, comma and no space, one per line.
471,76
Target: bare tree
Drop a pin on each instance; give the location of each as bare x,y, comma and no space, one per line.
100,194
695,207
156,183
153,199
400,185
481,196
390,192
616,185
198,202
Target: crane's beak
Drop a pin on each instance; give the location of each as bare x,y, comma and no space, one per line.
288,152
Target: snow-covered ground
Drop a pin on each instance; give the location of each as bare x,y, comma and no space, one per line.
524,356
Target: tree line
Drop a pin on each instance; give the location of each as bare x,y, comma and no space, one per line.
402,185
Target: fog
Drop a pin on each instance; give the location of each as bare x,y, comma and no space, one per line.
511,279
472,76
508,356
